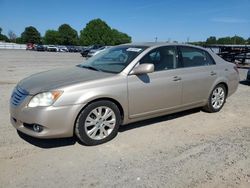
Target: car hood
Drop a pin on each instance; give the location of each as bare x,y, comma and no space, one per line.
49,80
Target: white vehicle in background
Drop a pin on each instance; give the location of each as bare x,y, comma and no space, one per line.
52,48
97,51
62,49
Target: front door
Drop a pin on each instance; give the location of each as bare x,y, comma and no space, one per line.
158,91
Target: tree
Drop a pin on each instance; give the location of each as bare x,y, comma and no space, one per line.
52,37
224,40
3,37
31,35
237,40
248,40
19,40
68,36
12,36
97,31
119,37
211,40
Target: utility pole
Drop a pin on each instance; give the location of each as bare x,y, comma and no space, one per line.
156,39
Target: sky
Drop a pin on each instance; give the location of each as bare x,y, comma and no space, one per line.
143,20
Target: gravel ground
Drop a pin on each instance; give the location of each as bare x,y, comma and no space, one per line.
187,149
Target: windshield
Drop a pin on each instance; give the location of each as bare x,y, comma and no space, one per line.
114,59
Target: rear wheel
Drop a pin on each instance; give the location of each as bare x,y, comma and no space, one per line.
216,99
98,123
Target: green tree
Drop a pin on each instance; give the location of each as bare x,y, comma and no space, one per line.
68,35
248,40
3,37
198,43
224,40
119,37
211,40
52,37
31,35
97,31
237,40
19,40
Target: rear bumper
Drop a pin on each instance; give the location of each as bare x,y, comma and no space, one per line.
248,77
233,84
57,122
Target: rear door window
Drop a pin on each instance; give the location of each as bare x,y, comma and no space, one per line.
193,57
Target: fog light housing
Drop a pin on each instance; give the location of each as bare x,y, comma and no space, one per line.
37,128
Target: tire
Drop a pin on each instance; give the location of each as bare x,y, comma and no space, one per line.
216,99
98,123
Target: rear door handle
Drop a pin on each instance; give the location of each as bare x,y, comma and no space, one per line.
176,78
213,73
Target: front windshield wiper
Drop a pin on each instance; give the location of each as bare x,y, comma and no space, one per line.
89,67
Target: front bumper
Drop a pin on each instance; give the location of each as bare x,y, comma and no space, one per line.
57,122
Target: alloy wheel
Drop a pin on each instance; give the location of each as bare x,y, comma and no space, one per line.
100,123
218,97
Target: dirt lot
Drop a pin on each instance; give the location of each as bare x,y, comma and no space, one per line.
188,149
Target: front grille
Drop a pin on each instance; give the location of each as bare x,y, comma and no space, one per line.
18,96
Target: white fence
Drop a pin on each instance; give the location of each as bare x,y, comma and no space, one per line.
12,46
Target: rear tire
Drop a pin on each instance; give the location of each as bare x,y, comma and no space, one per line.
216,99
98,123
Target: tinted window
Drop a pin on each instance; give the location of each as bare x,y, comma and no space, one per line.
163,58
192,57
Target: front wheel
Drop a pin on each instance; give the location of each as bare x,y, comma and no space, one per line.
98,123
216,99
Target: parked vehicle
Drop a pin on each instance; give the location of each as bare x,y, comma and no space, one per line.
62,49
30,46
74,48
97,51
124,84
85,51
248,75
40,47
52,48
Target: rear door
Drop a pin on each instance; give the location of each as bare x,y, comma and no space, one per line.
198,74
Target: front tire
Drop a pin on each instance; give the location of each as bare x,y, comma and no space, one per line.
216,99
98,123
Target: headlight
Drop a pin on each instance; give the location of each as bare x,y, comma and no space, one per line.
44,99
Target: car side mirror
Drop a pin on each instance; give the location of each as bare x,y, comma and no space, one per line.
143,69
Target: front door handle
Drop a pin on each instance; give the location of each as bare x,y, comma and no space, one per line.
176,78
213,73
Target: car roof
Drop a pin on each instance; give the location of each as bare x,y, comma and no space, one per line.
159,44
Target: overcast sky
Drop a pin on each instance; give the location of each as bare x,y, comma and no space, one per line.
142,19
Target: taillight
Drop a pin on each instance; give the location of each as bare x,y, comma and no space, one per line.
236,69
